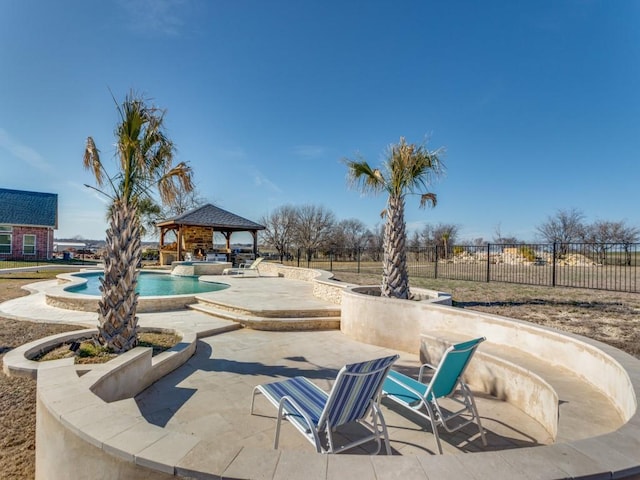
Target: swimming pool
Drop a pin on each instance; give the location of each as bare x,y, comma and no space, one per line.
150,284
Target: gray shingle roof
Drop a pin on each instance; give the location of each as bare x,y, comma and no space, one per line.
212,216
18,207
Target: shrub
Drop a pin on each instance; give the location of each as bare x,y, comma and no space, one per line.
528,253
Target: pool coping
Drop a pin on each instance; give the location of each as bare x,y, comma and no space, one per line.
60,297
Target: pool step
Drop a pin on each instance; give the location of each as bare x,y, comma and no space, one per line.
290,322
325,311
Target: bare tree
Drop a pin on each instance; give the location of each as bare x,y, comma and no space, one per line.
445,235
349,236
414,245
426,236
375,242
312,227
185,201
498,237
603,235
279,225
437,235
566,226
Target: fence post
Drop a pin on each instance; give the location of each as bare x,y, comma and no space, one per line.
488,262
298,257
435,272
358,253
553,266
331,261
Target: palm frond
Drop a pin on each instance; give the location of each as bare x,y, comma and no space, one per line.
361,175
428,198
91,161
177,179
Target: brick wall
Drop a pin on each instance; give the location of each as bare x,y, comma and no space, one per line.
44,243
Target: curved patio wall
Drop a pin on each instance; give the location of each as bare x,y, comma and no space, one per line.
366,318
78,416
331,290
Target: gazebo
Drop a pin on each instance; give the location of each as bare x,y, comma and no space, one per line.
194,231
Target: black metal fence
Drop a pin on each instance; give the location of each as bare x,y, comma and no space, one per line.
611,266
14,263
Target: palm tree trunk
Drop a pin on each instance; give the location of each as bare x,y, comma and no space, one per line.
395,279
118,324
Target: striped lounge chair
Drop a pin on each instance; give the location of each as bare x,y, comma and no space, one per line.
316,414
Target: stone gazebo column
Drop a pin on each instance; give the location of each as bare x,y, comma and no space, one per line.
167,255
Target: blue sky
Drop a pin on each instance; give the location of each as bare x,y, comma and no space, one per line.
537,103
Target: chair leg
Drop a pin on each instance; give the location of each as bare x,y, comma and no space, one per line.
329,435
474,410
256,390
385,437
434,427
277,437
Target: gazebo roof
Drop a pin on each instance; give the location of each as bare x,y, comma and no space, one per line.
211,216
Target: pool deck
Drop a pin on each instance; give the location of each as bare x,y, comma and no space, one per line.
209,396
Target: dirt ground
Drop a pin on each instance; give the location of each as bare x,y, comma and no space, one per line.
18,395
610,317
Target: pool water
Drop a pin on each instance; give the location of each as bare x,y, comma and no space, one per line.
151,284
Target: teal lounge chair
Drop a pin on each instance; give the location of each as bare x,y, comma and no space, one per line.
422,398
316,414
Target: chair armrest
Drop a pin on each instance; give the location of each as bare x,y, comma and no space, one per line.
422,369
294,408
407,390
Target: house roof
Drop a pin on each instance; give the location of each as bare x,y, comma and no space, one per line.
211,216
19,207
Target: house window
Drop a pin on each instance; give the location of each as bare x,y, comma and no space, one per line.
5,242
29,245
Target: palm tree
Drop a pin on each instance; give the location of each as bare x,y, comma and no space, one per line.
408,169
145,165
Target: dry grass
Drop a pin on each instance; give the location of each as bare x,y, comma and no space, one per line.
609,317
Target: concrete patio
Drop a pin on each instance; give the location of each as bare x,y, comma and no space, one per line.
205,402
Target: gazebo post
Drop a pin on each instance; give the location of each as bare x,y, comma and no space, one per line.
179,243
227,237
254,234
